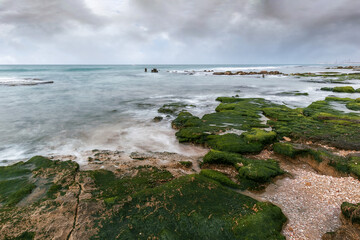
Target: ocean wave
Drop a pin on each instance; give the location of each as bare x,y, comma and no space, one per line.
85,69
12,81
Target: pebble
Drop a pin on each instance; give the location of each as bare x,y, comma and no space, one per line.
311,201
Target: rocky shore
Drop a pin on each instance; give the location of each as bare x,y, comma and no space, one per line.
267,172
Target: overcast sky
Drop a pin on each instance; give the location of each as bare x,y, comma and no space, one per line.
178,31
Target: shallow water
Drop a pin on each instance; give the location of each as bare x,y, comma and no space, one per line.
112,107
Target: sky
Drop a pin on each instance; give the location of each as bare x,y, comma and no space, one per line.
179,31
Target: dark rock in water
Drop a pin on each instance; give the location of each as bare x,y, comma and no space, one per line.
292,93
154,70
158,119
145,69
173,108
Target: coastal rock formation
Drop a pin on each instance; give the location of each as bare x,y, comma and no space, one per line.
140,203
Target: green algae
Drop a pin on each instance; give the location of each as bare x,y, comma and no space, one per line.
347,165
253,173
232,114
23,236
192,207
233,143
219,177
19,180
318,122
351,211
173,108
186,164
355,106
114,189
292,93
345,89
260,135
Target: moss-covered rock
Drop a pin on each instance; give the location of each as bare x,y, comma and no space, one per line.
233,113
260,135
192,207
347,165
345,89
233,143
253,173
19,180
351,211
318,122
218,176
173,108
186,164
113,189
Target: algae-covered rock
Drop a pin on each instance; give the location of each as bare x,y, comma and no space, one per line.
27,198
192,207
252,173
219,177
173,108
259,135
346,165
345,89
233,143
240,114
319,122
351,212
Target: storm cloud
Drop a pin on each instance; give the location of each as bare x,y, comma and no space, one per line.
177,31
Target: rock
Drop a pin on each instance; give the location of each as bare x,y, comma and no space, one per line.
158,119
154,70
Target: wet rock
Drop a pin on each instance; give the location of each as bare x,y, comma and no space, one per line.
158,119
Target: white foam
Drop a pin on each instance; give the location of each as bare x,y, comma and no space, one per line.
13,81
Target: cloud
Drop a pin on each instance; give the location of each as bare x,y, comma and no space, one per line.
174,31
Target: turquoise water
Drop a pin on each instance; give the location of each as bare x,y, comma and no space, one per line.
112,107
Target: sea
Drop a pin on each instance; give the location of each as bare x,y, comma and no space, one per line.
71,109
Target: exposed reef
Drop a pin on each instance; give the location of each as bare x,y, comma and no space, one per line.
134,203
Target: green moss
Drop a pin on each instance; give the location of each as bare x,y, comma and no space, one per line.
218,157
354,166
327,89
173,108
186,164
14,171
252,172
184,117
319,122
113,189
351,211
259,135
293,93
355,106
193,207
348,165
18,181
285,149
14,190
233,143
218,176
24,236
346,89
261,171
53,190
229,99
